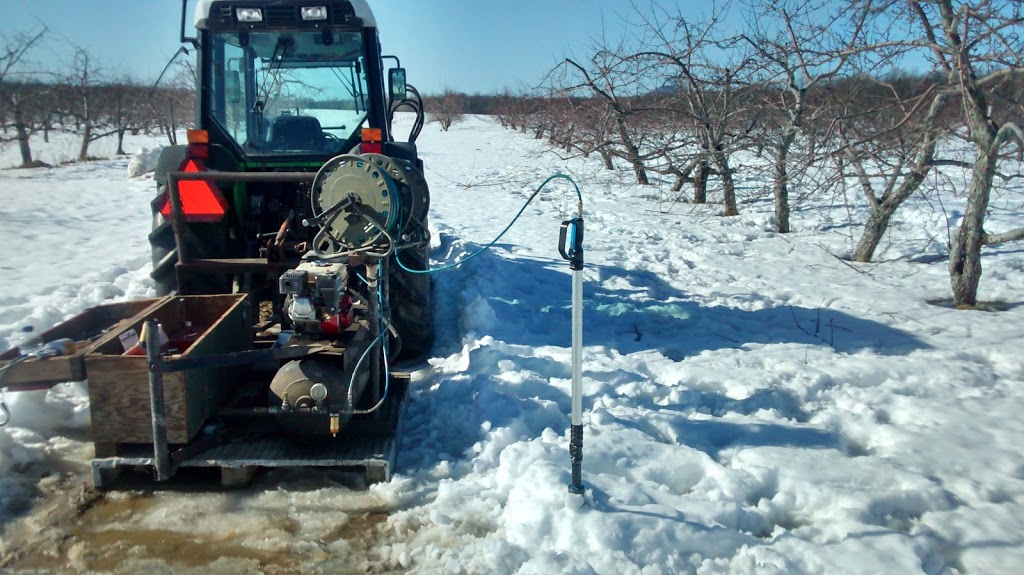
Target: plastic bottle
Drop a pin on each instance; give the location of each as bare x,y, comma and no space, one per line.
140,348
27,341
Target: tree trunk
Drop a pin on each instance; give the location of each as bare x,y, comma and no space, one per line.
680,180
728,186
878,221
780,187
23,143
965,253
632,153
120,143
172,127
606,157
882,212
874,229
700,183
83,150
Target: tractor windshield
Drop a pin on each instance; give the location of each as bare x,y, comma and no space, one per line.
294,92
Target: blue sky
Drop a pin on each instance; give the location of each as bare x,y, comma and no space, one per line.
468,45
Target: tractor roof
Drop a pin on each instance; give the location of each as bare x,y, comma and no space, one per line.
361,8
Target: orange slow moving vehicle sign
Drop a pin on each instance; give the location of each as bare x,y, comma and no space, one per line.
201,201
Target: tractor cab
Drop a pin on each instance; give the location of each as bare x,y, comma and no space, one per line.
289,79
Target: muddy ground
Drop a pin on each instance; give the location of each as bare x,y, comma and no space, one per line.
282,523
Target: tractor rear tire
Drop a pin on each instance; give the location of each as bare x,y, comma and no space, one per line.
164,250
212,240
411,306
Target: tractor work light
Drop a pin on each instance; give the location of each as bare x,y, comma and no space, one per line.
249,14
314,12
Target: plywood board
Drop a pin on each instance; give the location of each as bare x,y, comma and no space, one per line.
87,329
119,385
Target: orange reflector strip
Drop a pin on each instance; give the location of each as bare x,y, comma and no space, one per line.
198,137
372,135
201,201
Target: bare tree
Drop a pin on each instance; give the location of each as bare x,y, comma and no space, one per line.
21,93
802,43
516,108
617,83
171,106
980,45
893,142
449,109
81,96
580,127
713,74
976,49
124,109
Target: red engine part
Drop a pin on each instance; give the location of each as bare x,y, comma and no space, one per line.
333,325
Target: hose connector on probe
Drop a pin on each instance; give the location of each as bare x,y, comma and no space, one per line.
570,242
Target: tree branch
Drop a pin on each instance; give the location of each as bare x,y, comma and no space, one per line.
1010,236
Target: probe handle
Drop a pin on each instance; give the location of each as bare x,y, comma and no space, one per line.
570,242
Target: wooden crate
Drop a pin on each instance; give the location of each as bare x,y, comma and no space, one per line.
87,329
119,385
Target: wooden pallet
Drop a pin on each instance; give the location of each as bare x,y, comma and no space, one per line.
368,444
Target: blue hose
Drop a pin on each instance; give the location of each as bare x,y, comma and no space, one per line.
579,195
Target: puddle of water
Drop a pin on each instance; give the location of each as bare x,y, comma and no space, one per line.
276,531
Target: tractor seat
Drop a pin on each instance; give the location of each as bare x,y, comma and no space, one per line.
296,133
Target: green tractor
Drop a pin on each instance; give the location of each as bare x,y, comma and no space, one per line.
293,189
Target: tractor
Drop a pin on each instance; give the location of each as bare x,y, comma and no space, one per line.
290,251
293,189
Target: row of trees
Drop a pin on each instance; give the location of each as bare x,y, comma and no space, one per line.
804,89
83,99
810,91
451,107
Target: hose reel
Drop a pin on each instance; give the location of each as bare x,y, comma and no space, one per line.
415,198
356,204
364,201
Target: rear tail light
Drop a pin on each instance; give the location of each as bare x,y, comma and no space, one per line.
372,141
198,152
198,145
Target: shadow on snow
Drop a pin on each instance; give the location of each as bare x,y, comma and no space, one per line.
525,304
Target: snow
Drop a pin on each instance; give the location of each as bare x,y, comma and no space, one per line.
144,162
753,404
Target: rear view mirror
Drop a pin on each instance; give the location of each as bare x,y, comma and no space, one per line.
233,87
396,81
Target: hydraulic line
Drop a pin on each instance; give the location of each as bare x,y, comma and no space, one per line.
382,340
417,108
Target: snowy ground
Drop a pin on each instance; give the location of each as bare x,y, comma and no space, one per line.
753,403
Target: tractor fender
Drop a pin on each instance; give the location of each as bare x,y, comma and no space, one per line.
170,159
